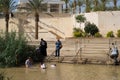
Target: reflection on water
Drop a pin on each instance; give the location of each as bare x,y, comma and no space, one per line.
66,72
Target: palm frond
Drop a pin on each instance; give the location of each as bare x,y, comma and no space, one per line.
8,6
35,5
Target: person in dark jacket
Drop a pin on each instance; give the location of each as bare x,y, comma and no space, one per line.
43,47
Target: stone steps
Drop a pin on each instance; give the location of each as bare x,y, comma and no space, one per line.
92,50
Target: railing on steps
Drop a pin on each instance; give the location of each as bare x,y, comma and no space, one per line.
97,47
52,56
78,56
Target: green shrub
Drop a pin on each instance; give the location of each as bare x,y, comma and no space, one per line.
77,32
110,34
84,34
98,34
13,49
118,33
91,28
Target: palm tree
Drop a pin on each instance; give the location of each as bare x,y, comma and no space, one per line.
96,3
115,4
35,6
71,5
104,4
80,3
66,5
75,5
7,6
88,5
0,5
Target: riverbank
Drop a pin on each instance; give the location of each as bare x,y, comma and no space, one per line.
84,51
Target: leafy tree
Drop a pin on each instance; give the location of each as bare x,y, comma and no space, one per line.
91,28
80,19
7,6
35,6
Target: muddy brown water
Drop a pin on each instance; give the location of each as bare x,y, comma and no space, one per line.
65,72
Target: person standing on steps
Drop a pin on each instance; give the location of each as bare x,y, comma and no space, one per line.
43,51
58,44
43,47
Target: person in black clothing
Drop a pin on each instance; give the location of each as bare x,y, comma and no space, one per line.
43,47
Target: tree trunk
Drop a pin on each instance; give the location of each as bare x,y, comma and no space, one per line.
115,4
36,25
87,6
7,22
79,9
75,4
20,26
36,30
66,7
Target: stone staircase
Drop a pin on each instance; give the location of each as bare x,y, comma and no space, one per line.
82,50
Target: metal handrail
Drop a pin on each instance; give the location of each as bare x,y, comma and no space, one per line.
77,54
50,55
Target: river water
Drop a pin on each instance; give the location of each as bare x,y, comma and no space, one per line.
65,72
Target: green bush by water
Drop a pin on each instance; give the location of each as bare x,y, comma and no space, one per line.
110,34
13,49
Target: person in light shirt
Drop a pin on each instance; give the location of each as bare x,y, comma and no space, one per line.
28,62
114,53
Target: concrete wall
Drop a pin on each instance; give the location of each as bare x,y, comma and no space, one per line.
109,21
105,21
64,24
